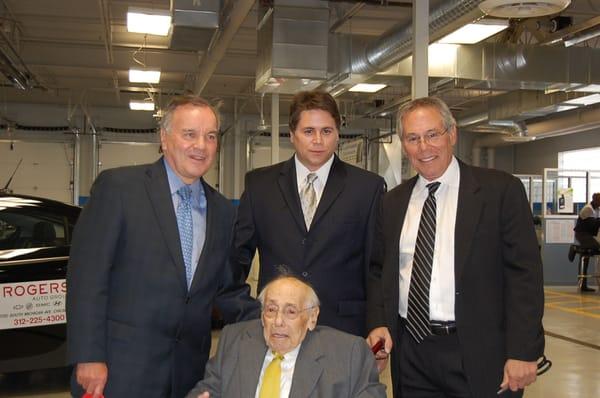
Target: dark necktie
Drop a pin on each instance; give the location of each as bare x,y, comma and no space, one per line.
418,294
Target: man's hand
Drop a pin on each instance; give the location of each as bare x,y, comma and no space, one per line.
518,374
92,377
377,334
204,395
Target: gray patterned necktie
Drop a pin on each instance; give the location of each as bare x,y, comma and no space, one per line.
418,294
308,199
186,229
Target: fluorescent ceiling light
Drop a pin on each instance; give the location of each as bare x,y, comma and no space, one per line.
144,20
475,32
585,100
141,105
367,88
137,75
590,88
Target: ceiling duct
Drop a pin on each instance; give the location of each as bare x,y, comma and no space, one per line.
292,45
501,66
397,43
194,23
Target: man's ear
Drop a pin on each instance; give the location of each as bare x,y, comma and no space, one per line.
312,320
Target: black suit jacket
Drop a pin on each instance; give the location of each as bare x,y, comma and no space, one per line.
333,255
127,302
498,275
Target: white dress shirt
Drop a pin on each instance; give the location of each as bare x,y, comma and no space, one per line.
442,290
287,371
322,175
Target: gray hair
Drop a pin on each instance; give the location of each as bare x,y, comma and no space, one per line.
312,300
188,99
426,102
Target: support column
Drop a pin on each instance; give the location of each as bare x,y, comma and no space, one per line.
274,128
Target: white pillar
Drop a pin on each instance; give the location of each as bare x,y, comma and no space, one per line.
274,128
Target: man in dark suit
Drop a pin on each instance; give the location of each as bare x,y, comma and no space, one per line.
315,214
287,354
148,261
460,282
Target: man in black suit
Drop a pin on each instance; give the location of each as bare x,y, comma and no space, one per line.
315,214
148,261
459,288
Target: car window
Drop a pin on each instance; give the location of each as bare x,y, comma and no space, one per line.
20,229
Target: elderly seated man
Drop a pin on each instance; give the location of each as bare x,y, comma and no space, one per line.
285,354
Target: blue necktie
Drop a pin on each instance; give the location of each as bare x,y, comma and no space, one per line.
186,229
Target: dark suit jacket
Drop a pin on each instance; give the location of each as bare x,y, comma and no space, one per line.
330,364
127,300
498,273
333,255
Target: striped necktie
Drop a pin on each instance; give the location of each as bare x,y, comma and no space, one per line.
418,294
271,383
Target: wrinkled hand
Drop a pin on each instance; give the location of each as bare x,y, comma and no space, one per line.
377,334
92,376
518,374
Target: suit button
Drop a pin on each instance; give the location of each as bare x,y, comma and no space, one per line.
187,300
303,241
458,293
305,274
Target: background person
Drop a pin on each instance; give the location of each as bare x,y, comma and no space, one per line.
586,231
148,261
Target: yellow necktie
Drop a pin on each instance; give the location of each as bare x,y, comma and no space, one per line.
272,378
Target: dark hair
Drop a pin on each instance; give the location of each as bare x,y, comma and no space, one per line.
309,100
187,99
426,102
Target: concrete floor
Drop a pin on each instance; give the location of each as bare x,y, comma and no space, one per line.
571,320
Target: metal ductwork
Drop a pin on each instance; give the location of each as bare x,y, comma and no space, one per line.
397,44
194,23
292,45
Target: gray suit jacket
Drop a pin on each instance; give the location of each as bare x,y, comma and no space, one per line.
331,363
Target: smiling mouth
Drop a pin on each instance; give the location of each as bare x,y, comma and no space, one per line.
427,159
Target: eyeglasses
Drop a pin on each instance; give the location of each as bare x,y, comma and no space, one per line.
289,312
431,137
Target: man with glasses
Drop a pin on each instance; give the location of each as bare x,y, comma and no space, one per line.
460,289
286,354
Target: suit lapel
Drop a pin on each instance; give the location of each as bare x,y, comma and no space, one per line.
308,367
289,189
252,355
335,184
211,225
157,187
470,203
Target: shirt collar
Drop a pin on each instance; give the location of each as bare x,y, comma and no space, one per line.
175,183
290,356
451,177
322,173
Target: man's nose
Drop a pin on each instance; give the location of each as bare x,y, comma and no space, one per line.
318,138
